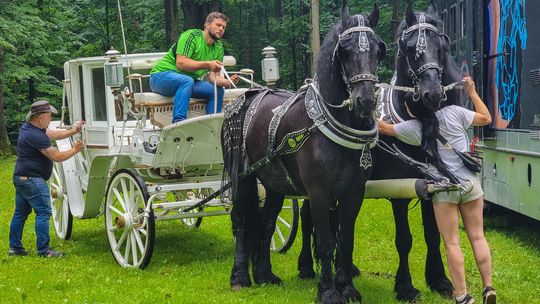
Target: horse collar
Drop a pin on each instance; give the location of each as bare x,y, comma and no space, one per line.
336,131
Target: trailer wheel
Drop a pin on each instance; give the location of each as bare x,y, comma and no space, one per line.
61,215
129,220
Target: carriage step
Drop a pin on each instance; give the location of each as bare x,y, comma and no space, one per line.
186,204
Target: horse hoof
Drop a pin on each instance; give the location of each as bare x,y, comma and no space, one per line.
355,272
350,294
239,281
331,296
442,286
306,273
407,293
269,278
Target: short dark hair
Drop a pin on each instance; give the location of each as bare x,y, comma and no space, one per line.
216,15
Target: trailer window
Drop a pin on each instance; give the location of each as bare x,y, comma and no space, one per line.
452,28
444,20
463,14
98,93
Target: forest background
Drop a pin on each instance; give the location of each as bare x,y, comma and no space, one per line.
38,36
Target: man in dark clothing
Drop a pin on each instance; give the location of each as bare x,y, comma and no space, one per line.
35,156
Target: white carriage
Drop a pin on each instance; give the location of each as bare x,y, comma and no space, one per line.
137,167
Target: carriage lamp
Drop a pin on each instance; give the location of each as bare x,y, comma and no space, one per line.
114,71
270,66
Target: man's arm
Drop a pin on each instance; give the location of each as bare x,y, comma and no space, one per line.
189,65
53,154
61,134
481,115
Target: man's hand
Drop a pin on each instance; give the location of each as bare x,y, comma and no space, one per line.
235,78
214,66
469,84
78,145
78,126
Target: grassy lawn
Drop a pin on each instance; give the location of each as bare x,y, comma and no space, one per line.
193,266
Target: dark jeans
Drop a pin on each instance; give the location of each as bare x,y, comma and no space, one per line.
183,87
31,193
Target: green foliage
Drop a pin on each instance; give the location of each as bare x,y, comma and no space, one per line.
193,266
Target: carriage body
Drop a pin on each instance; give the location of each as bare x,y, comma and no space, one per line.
138,170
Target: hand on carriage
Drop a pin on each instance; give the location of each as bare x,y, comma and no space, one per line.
469,85
78,145
78,126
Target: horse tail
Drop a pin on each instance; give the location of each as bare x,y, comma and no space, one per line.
232,141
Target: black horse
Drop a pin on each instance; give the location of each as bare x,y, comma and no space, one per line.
425,75
328,129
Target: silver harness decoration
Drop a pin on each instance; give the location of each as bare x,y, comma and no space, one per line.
421,46
338,132
363,44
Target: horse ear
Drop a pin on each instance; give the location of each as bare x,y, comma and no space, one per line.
345,14
410,18
382,50
374,17
432,9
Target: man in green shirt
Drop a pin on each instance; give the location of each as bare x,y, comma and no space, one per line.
196,52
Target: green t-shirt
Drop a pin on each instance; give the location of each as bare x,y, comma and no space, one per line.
192,45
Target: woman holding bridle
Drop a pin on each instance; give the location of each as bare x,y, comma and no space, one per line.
453,123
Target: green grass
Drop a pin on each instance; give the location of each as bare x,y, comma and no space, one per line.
193,266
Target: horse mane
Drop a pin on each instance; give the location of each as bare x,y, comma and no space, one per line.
427,117
331,85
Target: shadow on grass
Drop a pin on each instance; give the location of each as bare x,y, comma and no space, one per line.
523,228
174,243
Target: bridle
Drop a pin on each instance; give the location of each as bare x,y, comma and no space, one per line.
363,45
421,46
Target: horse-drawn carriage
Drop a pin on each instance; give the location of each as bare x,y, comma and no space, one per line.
137,167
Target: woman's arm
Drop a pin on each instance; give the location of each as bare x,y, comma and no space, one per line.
386,128
481,115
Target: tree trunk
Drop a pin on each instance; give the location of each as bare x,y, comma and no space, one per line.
395,22
277,9
292,45
172,23
315,34
195,12
304,37
5,146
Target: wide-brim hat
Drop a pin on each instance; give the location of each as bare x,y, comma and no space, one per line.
40,106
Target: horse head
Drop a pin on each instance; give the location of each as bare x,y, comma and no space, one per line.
347,62
424,57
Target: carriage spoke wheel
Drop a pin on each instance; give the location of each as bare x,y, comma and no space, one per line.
195,195
286,227
129,220
61,216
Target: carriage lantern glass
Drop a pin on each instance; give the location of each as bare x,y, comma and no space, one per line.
114,71
270,66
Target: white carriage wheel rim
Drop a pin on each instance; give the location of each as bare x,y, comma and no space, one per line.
287,223
59,204
131,237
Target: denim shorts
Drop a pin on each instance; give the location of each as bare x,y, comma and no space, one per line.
456,197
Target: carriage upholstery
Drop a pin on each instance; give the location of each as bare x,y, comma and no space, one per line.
160,107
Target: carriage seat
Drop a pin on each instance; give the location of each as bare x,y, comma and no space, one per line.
160,107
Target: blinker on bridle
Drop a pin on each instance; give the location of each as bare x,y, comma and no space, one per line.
421,46
364,46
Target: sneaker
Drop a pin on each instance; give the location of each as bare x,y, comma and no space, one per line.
489,295
17,252
467,299
50,253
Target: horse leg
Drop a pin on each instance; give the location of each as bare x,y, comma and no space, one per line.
262,267
403,285
435,276
348,211
305,259
326,292
334,221
244,215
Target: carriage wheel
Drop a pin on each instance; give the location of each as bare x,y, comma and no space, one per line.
194,194
286,227
129,220
61,216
